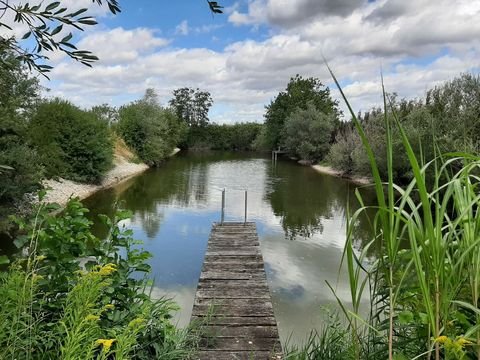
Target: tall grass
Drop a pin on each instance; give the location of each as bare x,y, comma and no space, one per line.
423,299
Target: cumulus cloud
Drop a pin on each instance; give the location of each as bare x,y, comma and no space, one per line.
415,45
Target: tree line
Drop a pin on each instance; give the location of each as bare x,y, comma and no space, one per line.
53,138
304,121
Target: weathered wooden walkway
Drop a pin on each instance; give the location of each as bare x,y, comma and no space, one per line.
233,294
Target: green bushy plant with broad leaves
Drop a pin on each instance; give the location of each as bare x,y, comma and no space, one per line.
72,143
71,295
150,130
308,133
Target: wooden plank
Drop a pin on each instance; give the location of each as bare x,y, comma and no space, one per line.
257,331
243,344
236,320
237,355
233,300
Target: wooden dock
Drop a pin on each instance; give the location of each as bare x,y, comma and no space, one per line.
233,295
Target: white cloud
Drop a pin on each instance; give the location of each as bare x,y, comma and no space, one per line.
182,28
415,45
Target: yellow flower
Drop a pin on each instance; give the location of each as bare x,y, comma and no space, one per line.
92,317
462,341
106,343
107,269
41,257
441,339
109,307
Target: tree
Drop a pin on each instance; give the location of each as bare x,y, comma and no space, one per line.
298,94
20,169
192,105
308,133
72,143
46,24
150,130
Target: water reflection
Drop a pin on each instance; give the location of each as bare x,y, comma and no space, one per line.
300,217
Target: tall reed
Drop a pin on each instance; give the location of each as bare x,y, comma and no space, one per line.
431,288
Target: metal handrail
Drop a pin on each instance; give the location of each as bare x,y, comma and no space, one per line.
222,219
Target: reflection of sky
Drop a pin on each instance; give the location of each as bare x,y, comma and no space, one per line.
176,228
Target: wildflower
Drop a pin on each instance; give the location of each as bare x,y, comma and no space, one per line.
107,269
136,323
41,257
106,343
92,317
462,341
441,339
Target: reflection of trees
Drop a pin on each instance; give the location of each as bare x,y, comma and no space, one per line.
183,182
302,198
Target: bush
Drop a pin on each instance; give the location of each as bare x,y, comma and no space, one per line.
75,296
72,143
308,133
151,131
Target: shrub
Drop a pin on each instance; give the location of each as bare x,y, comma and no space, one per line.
151,131
308,133
75,296
20,169
72,143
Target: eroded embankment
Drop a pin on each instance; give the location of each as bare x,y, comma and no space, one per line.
59,191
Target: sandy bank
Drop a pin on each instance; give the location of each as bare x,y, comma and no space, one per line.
60,191
360,180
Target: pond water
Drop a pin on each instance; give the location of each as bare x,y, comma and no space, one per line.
300,216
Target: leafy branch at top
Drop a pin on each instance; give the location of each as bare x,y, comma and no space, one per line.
45,23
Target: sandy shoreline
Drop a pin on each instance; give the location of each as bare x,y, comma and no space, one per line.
60,191
360,180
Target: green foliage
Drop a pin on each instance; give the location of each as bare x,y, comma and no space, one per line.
150,130
308,133
21,171
448,117
236,137
298,94
192,105
72,143
423,299
44,22
92,303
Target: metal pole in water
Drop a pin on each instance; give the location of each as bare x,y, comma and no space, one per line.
223,206
246,201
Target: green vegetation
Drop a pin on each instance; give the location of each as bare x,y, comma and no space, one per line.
192,106
150,130
308,133
236,137
300,94
74,296
72,143
423,290
447,119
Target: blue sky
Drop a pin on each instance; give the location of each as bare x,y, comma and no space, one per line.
247,55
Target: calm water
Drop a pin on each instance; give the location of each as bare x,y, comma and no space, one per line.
300,216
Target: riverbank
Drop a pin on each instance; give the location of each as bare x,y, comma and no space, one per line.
359,180
59,191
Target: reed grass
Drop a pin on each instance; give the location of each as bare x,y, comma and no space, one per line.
423,299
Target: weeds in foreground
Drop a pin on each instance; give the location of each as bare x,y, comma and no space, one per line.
73,296
424,297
